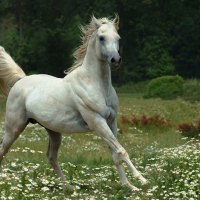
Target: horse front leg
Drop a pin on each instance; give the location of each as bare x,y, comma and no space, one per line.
122,175
99,124
119,156
118,162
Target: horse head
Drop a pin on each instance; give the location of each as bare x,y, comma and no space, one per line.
107,40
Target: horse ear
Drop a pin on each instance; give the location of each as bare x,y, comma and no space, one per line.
96,22
116,21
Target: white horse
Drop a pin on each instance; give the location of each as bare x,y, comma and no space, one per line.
84,100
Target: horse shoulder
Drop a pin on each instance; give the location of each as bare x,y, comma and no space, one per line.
90,99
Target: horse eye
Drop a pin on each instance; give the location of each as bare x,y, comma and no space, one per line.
101,38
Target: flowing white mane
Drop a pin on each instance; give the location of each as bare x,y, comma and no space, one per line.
86,32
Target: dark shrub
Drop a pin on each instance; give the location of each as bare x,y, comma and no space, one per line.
165,87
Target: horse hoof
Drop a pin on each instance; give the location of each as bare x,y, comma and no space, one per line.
131,187
135,189
69,189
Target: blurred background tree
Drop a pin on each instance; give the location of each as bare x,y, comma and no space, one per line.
158,37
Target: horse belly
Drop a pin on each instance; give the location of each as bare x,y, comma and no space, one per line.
68,124
55,116
65,121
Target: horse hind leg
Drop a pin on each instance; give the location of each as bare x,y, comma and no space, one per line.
13,128
52,152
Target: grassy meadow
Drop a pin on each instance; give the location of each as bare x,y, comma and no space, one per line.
169,161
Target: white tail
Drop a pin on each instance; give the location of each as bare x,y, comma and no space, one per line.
10,72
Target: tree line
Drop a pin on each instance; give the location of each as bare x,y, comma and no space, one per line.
158,37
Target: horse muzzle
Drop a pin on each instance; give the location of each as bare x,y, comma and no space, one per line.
115,60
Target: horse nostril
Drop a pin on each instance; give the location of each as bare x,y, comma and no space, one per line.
112,60
120,60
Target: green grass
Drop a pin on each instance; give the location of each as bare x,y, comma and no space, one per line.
191,90
170,163
132,89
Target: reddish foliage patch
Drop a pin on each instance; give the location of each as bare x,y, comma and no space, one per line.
145,120
190,129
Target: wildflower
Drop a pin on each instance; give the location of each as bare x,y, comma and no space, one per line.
45,182
13,164
45,189
25,169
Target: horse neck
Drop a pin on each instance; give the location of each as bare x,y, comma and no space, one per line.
98,69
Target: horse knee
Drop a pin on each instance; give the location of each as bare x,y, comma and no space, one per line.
51,160
120,156
49,156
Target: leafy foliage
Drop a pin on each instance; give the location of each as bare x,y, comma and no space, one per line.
166,87
156,58
156,35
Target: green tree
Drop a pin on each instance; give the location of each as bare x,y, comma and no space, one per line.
158,37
